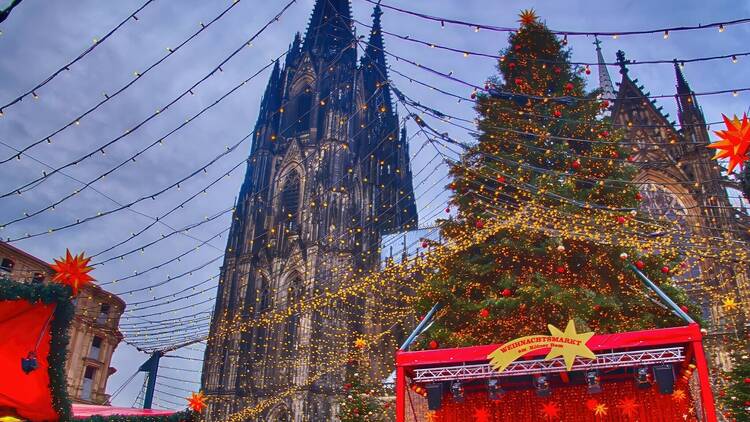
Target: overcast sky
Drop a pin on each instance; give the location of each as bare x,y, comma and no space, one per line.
40,36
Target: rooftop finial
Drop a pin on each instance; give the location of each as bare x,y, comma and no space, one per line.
622,62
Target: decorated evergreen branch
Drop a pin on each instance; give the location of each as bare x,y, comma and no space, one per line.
735,397
541,150
363,398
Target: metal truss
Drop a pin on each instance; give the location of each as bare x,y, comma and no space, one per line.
541,366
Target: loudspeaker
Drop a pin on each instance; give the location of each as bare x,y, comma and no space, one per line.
434,396
664,376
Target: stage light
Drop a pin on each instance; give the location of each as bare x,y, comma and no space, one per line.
593,382
541,384
458,392
494,390
664,375
434,396
641,377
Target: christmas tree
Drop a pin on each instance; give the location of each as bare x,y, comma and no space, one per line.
545,151
363,399
735,397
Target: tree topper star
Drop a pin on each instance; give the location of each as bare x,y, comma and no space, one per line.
528,16
729,304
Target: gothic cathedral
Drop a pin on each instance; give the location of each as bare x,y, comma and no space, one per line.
680,182
328,175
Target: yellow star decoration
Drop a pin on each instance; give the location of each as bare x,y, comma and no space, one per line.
729,304
360,343
601,409
528,16
575,344
679,395
431,417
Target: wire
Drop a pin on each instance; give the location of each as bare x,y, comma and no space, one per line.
85,52
444,20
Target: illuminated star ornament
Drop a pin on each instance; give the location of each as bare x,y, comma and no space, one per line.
733,142
197,402
360,343
601,409
528,17
679,395
551,410
729,304
628,407
72,271
481,415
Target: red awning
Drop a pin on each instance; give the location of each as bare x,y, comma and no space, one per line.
81,411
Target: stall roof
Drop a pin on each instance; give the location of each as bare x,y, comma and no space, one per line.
81,411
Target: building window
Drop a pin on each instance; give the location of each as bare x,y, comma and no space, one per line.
304,107
96,348
292,324
103,314
290,200
7,265
38,278
88,382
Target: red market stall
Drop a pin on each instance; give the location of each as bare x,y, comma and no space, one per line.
652,375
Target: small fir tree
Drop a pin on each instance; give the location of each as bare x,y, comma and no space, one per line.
544,148
735,397
363,399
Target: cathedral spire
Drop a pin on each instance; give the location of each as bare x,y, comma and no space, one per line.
605,82
688,111
330,27
294,50
373,61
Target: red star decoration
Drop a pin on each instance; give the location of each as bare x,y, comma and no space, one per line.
734,142
481,415
197,402
551,410
72,271
628,407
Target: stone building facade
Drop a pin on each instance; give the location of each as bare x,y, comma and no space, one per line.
93,335
328,175
681,182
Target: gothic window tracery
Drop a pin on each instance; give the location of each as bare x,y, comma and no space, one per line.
662,204
290,198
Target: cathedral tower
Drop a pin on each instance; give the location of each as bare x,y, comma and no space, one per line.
328,174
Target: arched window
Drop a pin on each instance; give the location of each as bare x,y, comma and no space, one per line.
304,108
263,303
290,196
292,325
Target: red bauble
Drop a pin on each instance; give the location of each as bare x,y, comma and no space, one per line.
621,220
576,165
511,66
518,81
507,293
448,210
605,104
638,196
597,308
588,71
557,113
605,134
665,270
640,265
631,159
473,95
556,69
560,269
569,86
484,313
501,179
684,308
434,344
347,386
479,224
517,47
747,380
424,244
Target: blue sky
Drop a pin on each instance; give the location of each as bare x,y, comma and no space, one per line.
39,37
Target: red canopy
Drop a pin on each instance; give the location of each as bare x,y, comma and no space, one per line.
21,324
81,411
